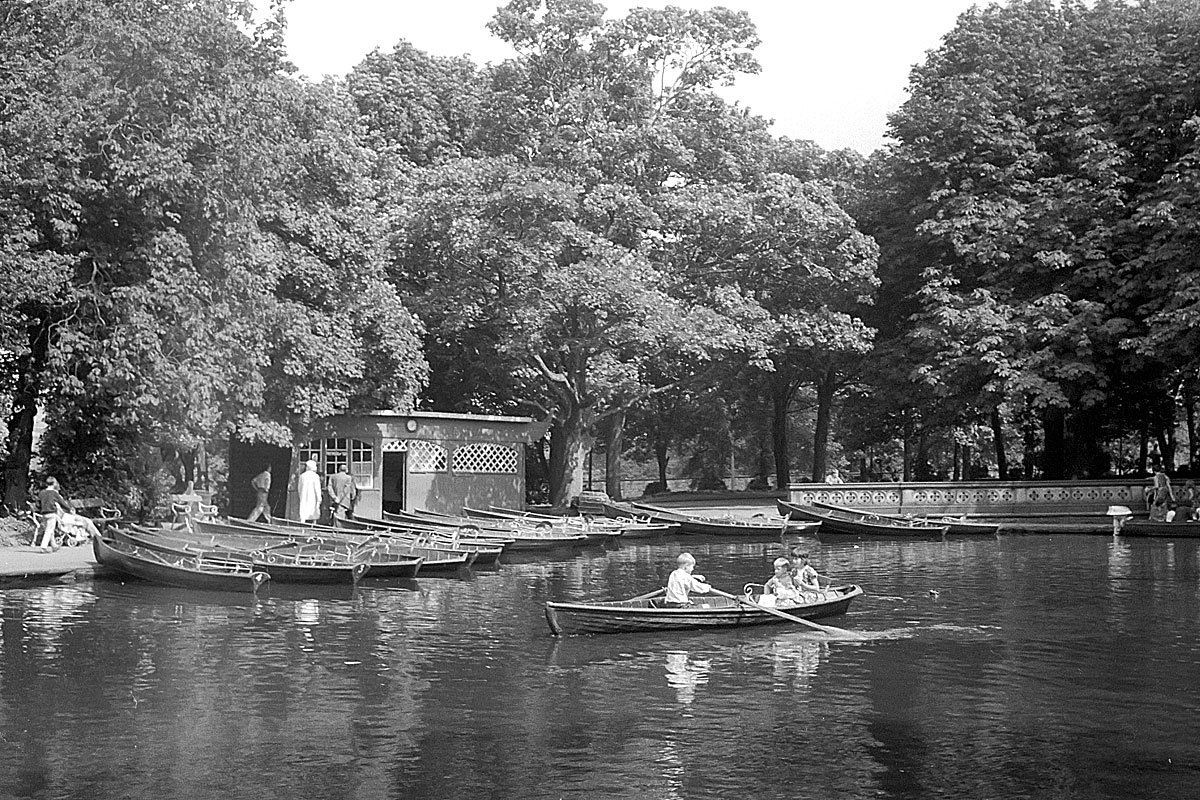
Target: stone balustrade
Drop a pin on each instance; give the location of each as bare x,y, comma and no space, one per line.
999,498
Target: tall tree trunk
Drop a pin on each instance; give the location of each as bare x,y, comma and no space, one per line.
959,471
906,471
1053,456
569,444
922,467
998,440
663,458
825,391
1143,449
1189,407
613,433
30,368
780,400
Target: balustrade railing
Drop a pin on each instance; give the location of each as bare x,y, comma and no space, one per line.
1001,498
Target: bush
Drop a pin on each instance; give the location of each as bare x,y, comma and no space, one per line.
654,488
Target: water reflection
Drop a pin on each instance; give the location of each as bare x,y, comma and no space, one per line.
684,674
1003,684
796,658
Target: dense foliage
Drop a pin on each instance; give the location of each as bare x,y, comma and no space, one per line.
194,244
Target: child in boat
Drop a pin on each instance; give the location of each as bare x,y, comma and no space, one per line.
682,581
807,579
782,584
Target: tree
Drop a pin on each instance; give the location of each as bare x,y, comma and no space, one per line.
208,285
538,251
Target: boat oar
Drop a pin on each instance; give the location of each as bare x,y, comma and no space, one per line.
826,629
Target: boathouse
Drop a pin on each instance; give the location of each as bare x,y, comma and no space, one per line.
420,460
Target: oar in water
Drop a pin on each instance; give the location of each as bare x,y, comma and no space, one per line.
826,629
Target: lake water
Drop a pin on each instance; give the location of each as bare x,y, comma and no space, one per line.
998,667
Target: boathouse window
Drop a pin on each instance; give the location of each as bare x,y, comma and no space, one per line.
483,457
356,455
426,456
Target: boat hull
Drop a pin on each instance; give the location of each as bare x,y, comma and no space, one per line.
644,615
175,570
845,524
1174,530
692,524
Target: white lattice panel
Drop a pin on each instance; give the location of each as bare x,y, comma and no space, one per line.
395,445
486,457
426,456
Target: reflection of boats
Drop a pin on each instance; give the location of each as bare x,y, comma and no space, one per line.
858,523
954,525
197,571
694,524
646,613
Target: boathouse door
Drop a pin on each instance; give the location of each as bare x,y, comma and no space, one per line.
395,484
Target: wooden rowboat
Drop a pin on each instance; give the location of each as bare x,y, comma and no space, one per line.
373,550
647,613
711,526
259,549
1146,527
849,523
190,571
954,525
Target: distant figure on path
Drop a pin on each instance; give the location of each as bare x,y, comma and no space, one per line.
308,490
262,490
342,493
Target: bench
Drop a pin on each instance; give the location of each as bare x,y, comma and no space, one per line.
91,507
195,509
95,508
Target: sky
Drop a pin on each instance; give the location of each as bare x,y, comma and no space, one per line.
832,70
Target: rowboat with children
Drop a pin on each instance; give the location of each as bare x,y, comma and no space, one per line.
649,613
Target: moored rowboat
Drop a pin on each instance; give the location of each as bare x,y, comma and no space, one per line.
647,613
852,523
712,526
190,571
954,525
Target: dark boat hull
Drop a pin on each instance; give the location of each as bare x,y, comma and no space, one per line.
958,527
844,524
708,526
176,570
1172,530
386,554
709,611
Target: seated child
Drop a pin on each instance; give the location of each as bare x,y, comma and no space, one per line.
682,581
781,583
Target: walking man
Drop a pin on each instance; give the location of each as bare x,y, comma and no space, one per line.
262,488
342,493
